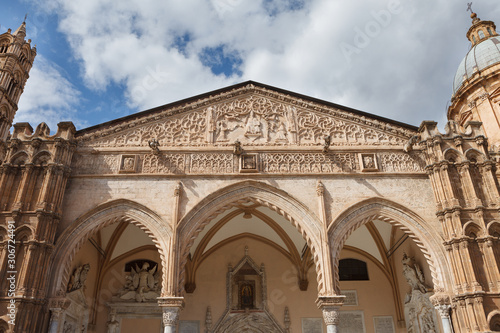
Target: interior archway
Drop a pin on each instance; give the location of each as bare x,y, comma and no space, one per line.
410,223
401,258
248,193
87,225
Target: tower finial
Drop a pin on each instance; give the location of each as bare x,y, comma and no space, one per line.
25,17
473,15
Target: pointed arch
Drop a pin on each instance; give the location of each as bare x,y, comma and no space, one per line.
19,158
471,227
24,232
85,226
493,228
409,222
42,157
453,155
473,153
297,213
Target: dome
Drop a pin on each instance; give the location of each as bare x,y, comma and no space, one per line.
480,56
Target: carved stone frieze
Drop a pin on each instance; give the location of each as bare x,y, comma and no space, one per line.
164,163
227,163
95,164
313,127
180,130
254,116
308,163
212,163
399,162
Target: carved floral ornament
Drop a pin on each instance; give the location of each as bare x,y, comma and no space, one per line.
254,116
227,163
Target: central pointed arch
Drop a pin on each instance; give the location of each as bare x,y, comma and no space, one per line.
297,213
106,214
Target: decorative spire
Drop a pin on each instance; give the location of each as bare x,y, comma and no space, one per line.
21,31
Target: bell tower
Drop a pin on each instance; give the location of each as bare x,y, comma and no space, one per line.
16,60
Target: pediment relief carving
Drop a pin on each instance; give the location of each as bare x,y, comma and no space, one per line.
253,115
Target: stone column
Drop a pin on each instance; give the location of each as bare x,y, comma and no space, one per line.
441,302
444,313
57,307
55,320
172,306
330,306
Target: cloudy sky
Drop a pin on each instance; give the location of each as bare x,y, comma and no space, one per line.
102,59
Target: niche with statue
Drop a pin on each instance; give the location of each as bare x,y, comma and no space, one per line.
246,301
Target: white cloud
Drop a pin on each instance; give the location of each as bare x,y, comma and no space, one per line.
406,52
48,97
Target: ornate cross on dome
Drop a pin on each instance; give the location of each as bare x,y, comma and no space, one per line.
469,7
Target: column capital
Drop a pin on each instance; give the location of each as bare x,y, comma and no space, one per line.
439,299
171,307
330,306
170,316
331,315
443,310
59,304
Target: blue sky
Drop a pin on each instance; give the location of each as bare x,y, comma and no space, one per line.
102,59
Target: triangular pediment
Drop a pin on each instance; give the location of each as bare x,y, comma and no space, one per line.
252,113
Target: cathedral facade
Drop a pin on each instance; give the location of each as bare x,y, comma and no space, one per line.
253,209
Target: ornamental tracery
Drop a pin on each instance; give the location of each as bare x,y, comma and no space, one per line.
261,118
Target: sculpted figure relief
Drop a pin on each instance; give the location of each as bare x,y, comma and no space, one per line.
258,119
419,311
113,324
77,280
141,284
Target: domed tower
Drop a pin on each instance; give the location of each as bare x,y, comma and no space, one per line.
476,88
16,60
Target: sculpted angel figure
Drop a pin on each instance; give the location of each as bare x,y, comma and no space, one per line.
141,284
77,280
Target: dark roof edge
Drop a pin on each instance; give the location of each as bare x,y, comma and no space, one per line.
236,86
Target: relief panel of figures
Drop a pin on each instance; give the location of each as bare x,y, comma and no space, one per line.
255,121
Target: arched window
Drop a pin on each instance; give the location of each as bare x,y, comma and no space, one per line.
4,45
353,270
474,38
489,31
481,34
495,323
